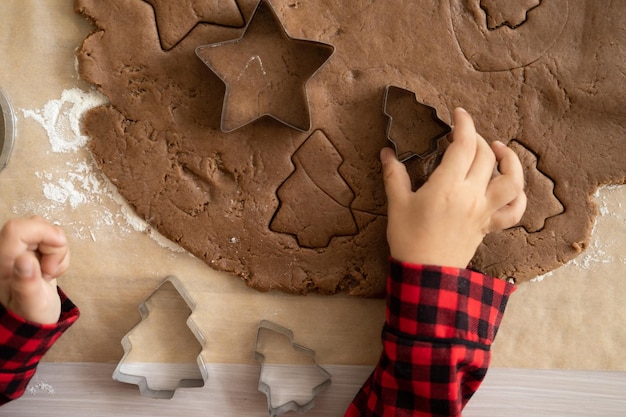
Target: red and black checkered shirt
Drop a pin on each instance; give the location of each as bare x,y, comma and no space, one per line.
436,341
23,344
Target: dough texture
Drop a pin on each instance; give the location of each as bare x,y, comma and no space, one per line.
304,210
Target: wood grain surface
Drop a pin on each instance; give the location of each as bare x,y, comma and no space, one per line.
87,389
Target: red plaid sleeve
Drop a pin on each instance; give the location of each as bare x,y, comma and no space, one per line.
23,344
436,341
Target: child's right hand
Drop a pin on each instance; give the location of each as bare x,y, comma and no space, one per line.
33,253
444,221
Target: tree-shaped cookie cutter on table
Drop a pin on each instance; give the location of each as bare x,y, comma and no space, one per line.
290,378
158,378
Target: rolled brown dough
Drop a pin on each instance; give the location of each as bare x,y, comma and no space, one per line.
304,211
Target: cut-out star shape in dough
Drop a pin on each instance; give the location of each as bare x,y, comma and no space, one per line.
506,12
265,72
175,19
413,128
542,202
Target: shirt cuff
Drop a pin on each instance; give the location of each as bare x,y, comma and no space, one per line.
434,302
23,343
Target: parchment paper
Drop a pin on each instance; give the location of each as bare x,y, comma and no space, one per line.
573,318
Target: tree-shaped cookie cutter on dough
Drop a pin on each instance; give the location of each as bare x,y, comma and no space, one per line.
266,72
290,378
166,341
414,128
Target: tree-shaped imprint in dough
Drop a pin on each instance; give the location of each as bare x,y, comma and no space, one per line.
542,203
176,19
507,13
499,36
315,200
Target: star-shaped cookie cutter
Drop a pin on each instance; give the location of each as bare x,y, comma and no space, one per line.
140,375
266,72
288,384
412,124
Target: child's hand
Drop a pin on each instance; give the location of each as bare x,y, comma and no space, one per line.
33,253
444,221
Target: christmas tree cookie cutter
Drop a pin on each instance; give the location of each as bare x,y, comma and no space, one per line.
414,128
159,336
290,377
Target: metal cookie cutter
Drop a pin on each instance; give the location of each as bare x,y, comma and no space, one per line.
413,128
265,72
161,336
290,378
7,130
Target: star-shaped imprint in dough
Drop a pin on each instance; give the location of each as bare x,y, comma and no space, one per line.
265,72
175,19
507,13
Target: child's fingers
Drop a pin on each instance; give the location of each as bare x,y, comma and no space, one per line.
508,162
481,170
395,176
505,193
31,233
55,260
31,297
509,215
506,202
25,280
39,231
37,236
459,156
506,187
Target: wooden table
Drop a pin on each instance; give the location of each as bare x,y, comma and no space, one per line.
87,389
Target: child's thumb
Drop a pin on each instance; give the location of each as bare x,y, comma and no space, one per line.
395,175
26,273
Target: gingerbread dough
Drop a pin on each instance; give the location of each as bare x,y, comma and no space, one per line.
304,211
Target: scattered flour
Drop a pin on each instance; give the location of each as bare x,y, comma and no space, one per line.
40,388
599,251
61,118
78,183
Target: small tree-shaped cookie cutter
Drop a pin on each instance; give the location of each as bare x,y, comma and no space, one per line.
141,377
431,130
288,386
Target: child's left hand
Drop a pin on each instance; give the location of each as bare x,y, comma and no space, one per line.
33,253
